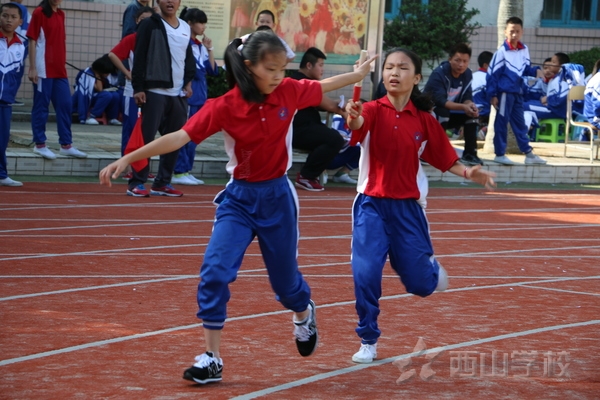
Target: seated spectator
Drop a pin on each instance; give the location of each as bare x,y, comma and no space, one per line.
478,85
94,95
348,157
310,133
535,92
568,76
450,88
266,19
591,102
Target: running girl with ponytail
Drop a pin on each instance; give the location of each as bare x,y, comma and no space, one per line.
259,200
396,131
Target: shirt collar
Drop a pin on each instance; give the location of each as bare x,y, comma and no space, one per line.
14,40
410,107
520,46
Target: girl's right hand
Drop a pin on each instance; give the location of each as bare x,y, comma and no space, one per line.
354,109
112,171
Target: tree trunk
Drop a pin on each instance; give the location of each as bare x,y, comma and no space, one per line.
506,9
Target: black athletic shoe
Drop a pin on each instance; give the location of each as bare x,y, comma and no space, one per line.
207,368
306,333
471,159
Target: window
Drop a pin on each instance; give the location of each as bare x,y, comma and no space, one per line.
571,13
392,7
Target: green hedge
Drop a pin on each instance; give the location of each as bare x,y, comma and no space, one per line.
587,58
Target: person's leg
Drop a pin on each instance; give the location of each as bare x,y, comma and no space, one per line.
175,116
39,112
185,159
411,251
5,116
130,111
501,123
370,246
112,110
517,122
63,106
152,116
322,142
100,102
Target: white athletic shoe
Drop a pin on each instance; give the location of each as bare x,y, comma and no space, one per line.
72,152
344,178
198,181
182,179
91,121
504,160
115,122
9,182
534,159
366,354
44,152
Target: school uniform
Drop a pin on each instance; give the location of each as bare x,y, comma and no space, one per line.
479,96
259,200
185,160
591,108
53,85
504,79
86,100
11,64
389,211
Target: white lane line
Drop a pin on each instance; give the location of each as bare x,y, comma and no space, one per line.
561,290
103,226
377,363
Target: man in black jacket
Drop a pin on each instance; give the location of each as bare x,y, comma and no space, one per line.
450,87
310,133
161,77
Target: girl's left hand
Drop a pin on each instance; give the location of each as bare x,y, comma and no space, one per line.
482,176
365,68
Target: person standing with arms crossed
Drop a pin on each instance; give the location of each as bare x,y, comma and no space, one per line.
259,200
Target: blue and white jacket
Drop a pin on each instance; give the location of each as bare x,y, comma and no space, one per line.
479,94
84,91
591,102
203,68
534,88
569,75
506,69
11,63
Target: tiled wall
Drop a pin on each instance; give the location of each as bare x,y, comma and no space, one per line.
93,29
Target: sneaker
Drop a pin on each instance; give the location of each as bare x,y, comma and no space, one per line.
308,184
207,368
183,179
503,160
198,181
72,152
17,104
306,333
151,177
9,182
166,190
366,354
127,176
44,152
531,158
115,121
344,178
471,159
138,191
91,121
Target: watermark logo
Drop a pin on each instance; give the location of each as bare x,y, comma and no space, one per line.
475,364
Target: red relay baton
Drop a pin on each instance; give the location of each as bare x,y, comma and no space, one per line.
358,85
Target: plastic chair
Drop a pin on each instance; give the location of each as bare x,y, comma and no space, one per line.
551,130
576,93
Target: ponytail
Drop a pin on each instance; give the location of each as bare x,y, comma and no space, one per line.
254,49
422,101
46,8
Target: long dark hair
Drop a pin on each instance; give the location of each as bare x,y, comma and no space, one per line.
256,47
46,8
421,100
193,15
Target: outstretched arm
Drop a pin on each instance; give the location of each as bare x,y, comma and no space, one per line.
349,78
164,144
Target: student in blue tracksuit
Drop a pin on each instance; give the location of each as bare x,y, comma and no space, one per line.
12,54
591,101
205,65
504,77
